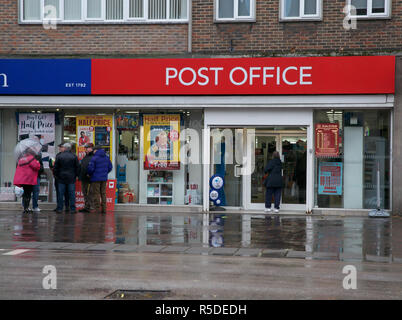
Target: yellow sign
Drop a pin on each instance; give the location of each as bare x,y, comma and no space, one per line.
161,141
97,130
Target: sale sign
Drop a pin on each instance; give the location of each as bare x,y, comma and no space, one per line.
110,195
161,143
330,178
327,139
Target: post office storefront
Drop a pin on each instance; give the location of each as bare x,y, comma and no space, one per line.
330,118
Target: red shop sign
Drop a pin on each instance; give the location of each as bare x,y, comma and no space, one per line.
240,76
327,139
110,195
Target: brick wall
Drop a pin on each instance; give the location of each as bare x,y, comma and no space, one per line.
100,39
268,35
265,36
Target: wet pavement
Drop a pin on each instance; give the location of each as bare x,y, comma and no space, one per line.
274,236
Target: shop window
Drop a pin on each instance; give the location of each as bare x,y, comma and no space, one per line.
87,11
300,10
350,146
234,10
369,8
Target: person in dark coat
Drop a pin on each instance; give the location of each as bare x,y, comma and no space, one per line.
274,182
85,178
36,188
98,169
56,183
66,171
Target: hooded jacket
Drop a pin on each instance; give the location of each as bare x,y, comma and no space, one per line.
274,170
27,171
99,166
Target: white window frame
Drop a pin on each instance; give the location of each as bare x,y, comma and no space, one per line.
370,15
302,16
85,20
236,17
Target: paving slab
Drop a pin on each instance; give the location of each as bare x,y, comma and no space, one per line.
150,248
273,253
78,246
248,252
199,250
350,256
325,255
224,251
126,248
103,246
174,249
29,245
298,254
373,258
53,245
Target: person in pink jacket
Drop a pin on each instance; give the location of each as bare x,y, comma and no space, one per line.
26,176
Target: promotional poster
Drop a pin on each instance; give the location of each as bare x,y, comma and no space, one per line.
97,130
161,143
330,178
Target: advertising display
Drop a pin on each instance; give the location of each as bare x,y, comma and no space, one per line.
330,178
97,130
327,139
42,126
110,195
161,142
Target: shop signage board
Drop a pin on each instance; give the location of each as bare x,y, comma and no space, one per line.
41,125
161,141
127,122
96,129
327,139
199,76
330,178
110,195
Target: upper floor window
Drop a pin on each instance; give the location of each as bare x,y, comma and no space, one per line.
234,10
370,8
300,9
86,11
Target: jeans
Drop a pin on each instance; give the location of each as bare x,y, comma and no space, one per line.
277,192
62,188
66,198
35,195
26,197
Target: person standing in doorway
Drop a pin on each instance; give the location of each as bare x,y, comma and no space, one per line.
51,165
84,177
98,169
274,182
66,171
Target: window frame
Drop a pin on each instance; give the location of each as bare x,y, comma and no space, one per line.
370,15
236,17
102,20
302,16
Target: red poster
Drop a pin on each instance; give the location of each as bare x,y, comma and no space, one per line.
327,139
239,76
110,195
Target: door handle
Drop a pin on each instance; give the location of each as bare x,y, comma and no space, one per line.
235,170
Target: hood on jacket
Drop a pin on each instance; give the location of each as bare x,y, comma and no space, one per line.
100,153
25,159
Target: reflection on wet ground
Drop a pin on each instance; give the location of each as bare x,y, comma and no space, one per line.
357,236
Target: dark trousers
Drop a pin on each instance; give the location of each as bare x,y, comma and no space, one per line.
98,192
66,197
276,192
85,186
26,197
63,188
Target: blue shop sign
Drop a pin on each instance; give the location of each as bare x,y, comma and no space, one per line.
45,76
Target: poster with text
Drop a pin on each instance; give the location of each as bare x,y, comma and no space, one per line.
42,126
161,142
330,178
94,129
327,139
110,195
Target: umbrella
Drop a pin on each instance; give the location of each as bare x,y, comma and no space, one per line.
29,145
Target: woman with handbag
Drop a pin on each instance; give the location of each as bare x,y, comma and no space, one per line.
274,182
26,176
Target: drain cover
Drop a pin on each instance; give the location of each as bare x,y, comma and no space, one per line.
138,295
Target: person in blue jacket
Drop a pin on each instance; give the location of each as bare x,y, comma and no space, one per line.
98,170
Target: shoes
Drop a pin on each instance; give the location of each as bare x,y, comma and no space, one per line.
59,211
36,209
276,210
55,209
25,211
267,210
84,210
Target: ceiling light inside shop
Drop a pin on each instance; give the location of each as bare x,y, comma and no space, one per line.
131,111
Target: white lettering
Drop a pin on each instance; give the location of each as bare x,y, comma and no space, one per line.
252,75
169,76
201,75
350,281
244,74
304,75
216,69
265,75
181,76
284,76
5,84
50,281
